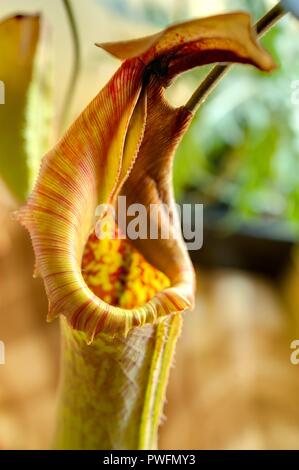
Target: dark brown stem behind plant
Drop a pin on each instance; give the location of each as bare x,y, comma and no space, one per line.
76,64
217,73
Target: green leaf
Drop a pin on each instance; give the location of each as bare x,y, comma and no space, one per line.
26,115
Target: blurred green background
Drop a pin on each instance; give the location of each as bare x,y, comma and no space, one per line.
243,147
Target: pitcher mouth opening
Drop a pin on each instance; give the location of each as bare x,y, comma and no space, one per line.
117,273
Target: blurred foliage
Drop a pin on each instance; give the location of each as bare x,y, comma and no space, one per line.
153,11
242,149
25,118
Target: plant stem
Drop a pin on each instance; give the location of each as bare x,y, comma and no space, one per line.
217,73
113,391
76,64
